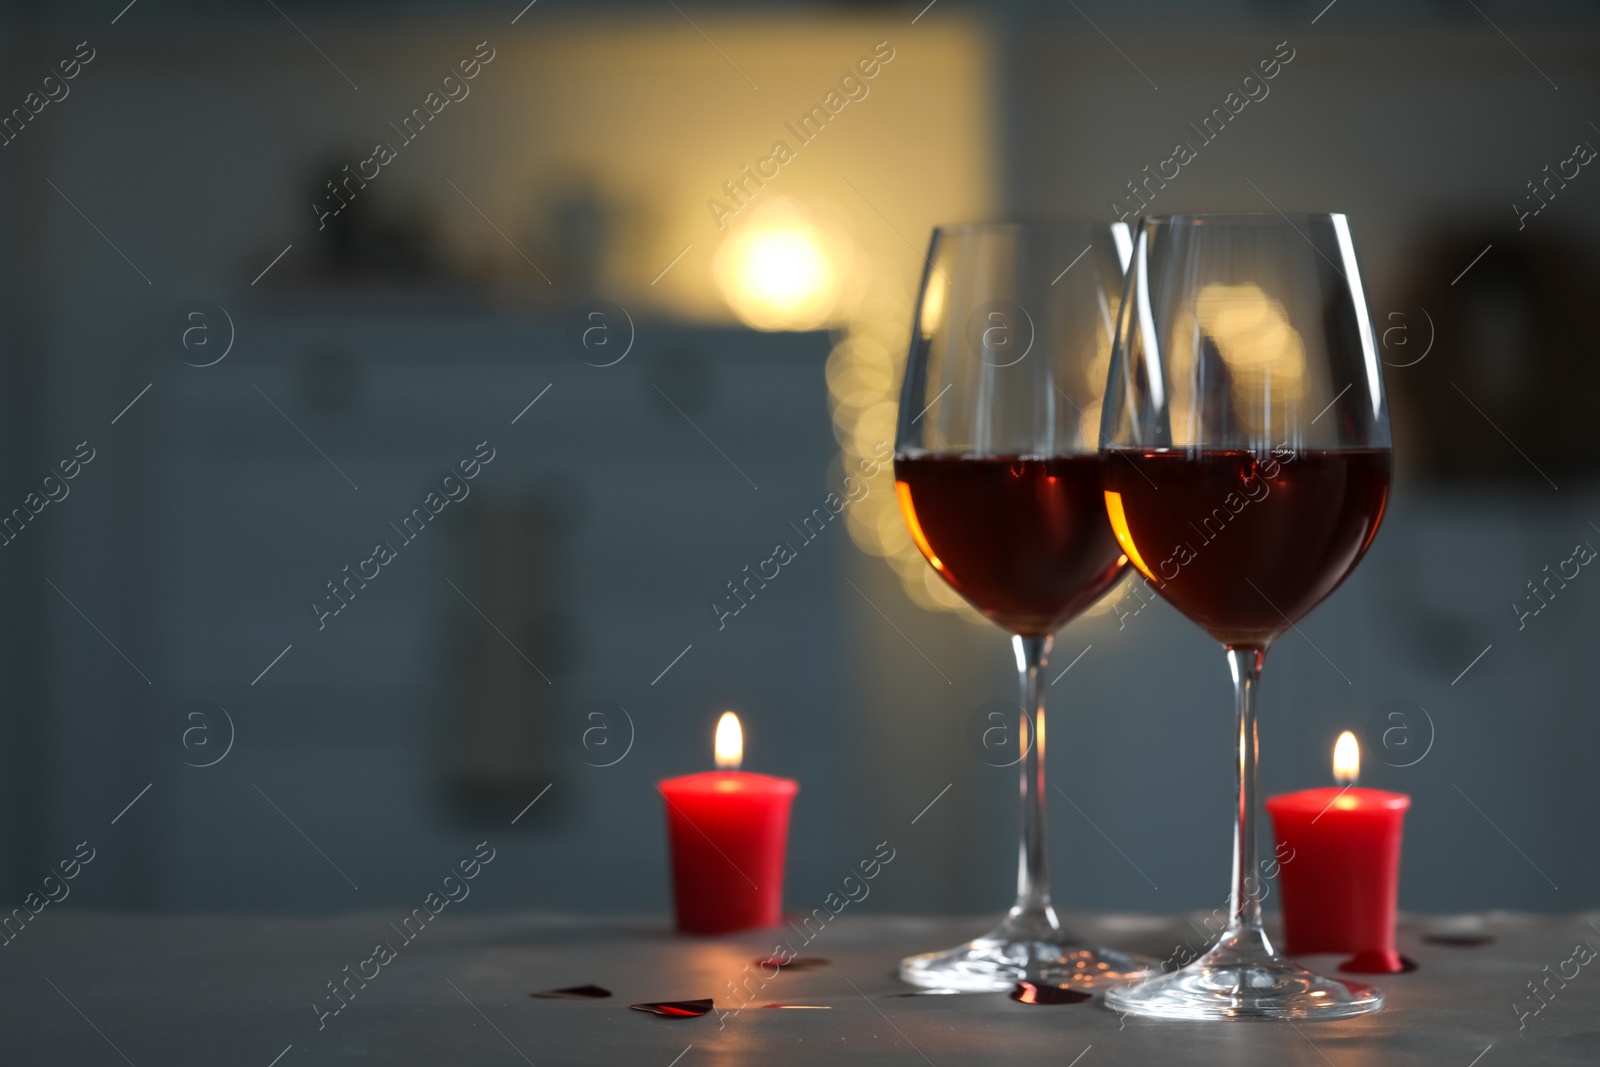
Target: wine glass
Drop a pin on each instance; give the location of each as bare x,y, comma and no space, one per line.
998,476
1246,443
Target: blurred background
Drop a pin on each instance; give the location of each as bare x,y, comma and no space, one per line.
275,340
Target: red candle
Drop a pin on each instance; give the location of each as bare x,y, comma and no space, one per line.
729,832
1340,867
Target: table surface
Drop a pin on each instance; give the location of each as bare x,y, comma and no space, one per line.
103,989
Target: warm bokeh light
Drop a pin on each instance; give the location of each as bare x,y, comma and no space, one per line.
876,315
729,744
1346,759
784,268
863,376
1251,330
1264,357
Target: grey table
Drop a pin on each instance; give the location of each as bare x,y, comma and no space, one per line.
103,989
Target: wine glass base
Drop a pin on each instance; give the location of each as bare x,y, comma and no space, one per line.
996,963
1223,985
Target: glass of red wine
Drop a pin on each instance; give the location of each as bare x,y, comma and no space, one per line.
1246,444
998,476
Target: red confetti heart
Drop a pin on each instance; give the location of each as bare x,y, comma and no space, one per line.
675,1009
573,992
1032,993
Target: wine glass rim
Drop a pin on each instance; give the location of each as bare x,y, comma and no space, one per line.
1214,217
979,226
970,452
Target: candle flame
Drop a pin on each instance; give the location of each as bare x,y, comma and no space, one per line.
730,742
1346,759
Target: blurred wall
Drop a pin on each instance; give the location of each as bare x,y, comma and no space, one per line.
165,628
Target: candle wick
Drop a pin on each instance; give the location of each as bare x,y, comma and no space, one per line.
1344,782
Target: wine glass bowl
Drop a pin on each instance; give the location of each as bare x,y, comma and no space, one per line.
1246,546
1009,533
1246,439
999,481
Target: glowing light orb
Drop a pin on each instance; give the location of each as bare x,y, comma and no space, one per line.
781,269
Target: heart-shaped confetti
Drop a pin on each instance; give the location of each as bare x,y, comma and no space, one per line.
675,1009
1033,993
1462,940
794,963
573,992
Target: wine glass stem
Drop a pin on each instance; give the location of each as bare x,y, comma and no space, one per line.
1245,663
1033,860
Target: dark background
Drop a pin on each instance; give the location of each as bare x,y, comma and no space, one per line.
378,352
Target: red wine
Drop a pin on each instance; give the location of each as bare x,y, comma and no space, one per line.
1025,540
1246,546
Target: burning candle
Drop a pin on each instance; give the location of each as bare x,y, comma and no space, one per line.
1340,867
729,831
